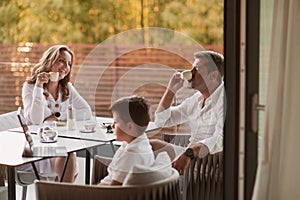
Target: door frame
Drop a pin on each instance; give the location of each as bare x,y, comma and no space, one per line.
232,87
232,36
252,89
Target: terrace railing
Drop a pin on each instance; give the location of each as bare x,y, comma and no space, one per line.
100,74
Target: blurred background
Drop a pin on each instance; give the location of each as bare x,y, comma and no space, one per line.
90,22
29,27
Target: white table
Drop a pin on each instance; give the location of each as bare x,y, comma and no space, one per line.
99,135
12,146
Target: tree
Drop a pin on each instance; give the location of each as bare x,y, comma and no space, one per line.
85,21
199,19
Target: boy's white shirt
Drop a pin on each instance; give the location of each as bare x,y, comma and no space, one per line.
139,151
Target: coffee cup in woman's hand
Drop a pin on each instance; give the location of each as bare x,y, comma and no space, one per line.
54,76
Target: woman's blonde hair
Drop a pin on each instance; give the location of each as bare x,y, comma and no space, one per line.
45,64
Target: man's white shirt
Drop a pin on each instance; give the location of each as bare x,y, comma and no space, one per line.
206,122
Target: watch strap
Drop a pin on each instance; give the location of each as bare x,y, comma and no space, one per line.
189,152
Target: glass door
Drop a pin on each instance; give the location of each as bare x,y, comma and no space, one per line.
258,38
247,34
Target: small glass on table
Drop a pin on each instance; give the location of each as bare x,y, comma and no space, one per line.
49,132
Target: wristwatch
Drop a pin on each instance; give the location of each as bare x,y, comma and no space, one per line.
189,152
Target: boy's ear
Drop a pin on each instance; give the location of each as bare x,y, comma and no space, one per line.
130,126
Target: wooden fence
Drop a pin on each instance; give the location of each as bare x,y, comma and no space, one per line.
101,73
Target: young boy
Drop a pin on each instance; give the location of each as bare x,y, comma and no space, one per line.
131,118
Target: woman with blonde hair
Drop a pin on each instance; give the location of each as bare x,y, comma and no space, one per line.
46,96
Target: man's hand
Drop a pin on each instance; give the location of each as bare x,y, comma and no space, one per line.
181,163
200,150
175,83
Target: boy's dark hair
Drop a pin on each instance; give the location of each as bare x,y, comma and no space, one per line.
133,108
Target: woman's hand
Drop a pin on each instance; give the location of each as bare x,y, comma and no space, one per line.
42,78
51,118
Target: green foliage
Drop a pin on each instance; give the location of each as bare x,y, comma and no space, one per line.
86,21
199,19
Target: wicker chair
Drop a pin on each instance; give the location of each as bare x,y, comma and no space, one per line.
3,189
203,180
167,189
100,168
178,139
2,175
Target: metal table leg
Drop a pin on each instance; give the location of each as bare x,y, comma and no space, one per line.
11,183
87,166
65,167
35,171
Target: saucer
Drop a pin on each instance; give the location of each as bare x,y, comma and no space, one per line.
48,141
84,131
61,123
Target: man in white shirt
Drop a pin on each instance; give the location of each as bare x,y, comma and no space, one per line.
204,111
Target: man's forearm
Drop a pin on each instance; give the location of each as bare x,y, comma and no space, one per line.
200,150
166,101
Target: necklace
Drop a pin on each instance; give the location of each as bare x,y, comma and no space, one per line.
46,94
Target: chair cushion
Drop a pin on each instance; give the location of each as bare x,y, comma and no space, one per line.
3,193
143,175
9,120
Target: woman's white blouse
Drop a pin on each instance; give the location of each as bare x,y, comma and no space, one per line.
37,107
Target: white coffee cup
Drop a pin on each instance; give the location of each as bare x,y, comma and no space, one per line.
89,122
89,126
54,76
186,74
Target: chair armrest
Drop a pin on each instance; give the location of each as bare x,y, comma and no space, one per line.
2,175
204,177
9,120
100,168
175,138
167,189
